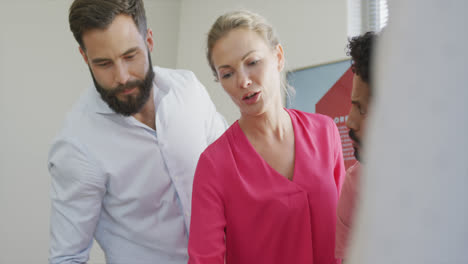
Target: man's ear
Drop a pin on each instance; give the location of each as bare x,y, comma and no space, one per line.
149,40
83,54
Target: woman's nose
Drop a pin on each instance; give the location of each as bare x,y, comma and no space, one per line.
245,80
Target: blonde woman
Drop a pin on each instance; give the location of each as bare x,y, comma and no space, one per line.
266,190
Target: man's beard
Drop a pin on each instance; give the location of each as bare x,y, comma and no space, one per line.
132,104
353,136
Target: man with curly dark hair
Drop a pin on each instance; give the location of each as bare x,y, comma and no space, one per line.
360,49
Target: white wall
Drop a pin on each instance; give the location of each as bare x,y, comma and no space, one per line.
311,31
164,18
42,75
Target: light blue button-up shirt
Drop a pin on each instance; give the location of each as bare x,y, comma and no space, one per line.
121,182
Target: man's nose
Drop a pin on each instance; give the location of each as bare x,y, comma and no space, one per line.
351,122
121,73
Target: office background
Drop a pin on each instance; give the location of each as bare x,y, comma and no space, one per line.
415,195
42,74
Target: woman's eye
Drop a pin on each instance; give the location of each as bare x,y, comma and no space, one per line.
253,62
226,75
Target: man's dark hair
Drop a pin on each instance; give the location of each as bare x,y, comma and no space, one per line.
85,15
360,49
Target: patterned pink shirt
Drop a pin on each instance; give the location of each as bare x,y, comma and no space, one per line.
346,208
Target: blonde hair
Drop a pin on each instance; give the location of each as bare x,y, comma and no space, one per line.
242,19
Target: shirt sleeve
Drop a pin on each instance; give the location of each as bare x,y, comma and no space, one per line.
207,228
215,124
339,170
76,198
343,216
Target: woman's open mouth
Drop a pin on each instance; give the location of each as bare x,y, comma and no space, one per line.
251,98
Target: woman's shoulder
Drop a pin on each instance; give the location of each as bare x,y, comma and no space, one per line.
311,119
216,162
220,148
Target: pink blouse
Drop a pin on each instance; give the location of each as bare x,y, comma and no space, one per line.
243,211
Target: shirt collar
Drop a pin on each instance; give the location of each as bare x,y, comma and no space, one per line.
97,104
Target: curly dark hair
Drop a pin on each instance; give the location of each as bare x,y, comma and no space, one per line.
360,50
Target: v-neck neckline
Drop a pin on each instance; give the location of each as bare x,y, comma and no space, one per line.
249,144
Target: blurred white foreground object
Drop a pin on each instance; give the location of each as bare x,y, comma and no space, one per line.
414,205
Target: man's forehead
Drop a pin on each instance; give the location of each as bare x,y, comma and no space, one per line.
360,88
121,35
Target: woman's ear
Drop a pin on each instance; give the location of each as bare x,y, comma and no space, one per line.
280,55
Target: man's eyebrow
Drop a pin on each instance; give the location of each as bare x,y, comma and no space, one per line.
100,60
131,50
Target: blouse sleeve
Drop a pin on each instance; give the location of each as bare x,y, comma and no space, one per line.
339,170
207,227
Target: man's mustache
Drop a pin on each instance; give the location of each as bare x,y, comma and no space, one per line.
123,87
353,136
